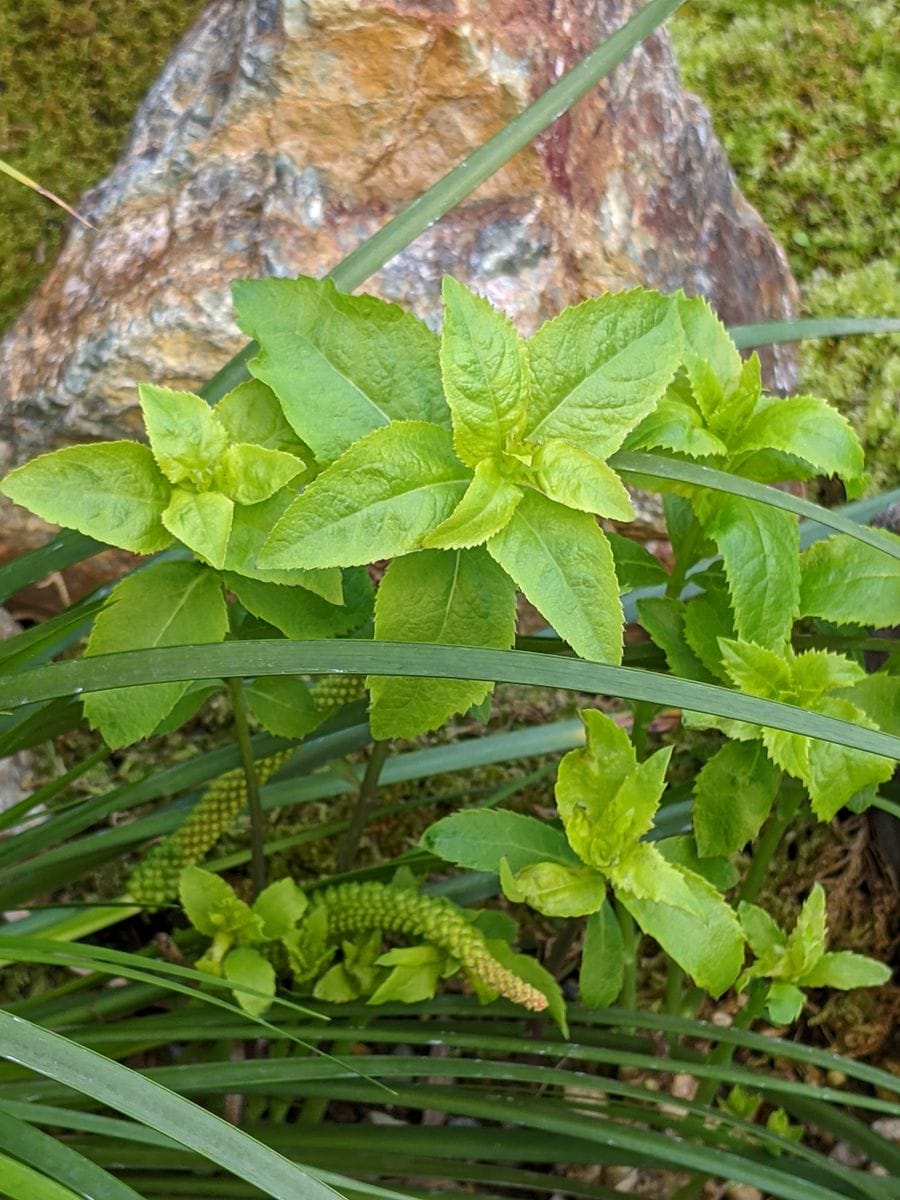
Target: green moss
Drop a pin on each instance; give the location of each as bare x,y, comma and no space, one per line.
803,94
860,375
72,73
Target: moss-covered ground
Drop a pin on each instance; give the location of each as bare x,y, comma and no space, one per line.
804,96
72,73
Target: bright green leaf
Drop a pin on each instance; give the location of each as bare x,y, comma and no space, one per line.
878,696
589,777
562,562
185,435
833,774
283,705
572,477
784,1003
477,838
484,510
167,604
707,344
341,365
756,670
733,794
708,944
356,974
455,597
808,428
484,372
759,547
113,492
414,977
765,938
250,528
249,474
806,941
629,813
279,907
645,874
779,1122
381,497
248,967
251,413
677,426
554,889
846,581
211,905
845,970
202,520
602,959
598,368
300,614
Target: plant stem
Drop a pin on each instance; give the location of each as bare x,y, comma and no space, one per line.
630,941
785,810
643,713
254,803
366,802
723,1053
565,940
674,989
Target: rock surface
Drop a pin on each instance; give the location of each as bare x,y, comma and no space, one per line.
282,133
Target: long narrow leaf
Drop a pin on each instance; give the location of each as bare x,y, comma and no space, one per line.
60,1162
658,466
860,511
63,550
272,657
21,1182
187,1123
768,333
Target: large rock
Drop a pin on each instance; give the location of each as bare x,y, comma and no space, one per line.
280,135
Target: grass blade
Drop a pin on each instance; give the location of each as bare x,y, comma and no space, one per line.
768,333
187,1123
250,658
59,1162
658,466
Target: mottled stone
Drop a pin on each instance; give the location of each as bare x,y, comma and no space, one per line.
281,134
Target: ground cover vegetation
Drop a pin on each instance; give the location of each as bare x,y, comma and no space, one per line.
499,993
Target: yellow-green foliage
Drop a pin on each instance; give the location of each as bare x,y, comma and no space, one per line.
72,73
804,96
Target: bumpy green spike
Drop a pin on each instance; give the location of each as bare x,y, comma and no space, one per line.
155,879
352,908
334,691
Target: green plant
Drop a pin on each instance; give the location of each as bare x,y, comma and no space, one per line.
478,464
283,923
